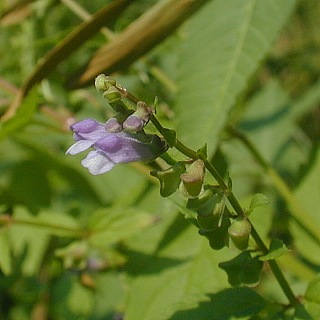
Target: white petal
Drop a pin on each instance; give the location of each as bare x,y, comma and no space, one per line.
97,163
79,146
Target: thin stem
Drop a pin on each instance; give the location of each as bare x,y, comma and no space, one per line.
299,215
231,197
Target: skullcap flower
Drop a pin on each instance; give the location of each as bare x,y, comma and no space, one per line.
111,148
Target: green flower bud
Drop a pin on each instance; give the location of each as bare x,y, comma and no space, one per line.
169,179
192,179
112,94
103,82
239,232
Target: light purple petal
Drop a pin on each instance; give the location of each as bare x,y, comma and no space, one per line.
109,144
79,146
88,129
85,126
97,163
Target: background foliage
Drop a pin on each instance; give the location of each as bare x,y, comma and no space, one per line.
76,246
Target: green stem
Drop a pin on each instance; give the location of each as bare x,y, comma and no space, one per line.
299,215
231,197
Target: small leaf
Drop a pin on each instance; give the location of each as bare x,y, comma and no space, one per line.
243,269
313,290
258,200
170,136
5,257
277,249
203,152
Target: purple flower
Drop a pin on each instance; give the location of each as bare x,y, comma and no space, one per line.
111,148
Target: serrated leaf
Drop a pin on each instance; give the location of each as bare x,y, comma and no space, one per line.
241,302
5,253
220,53
243,269
313,290
258,200
277,249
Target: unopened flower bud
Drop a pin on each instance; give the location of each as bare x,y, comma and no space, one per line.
112,94
143,111
113,125
103,82
239,232
192,179
133,123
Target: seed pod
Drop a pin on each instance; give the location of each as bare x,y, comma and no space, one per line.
239,232
192,179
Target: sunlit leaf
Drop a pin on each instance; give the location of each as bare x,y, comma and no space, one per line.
258,200
277,249
158,295
217,60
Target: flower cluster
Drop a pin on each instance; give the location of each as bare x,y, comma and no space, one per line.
113,146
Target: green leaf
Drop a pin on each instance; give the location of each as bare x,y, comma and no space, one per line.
277,249
308,196
300,313
80,299
5,254
22,117
241,302
117,223
258,200
313,290
170,136
219,55
28,237
243,269
159,294
58,224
